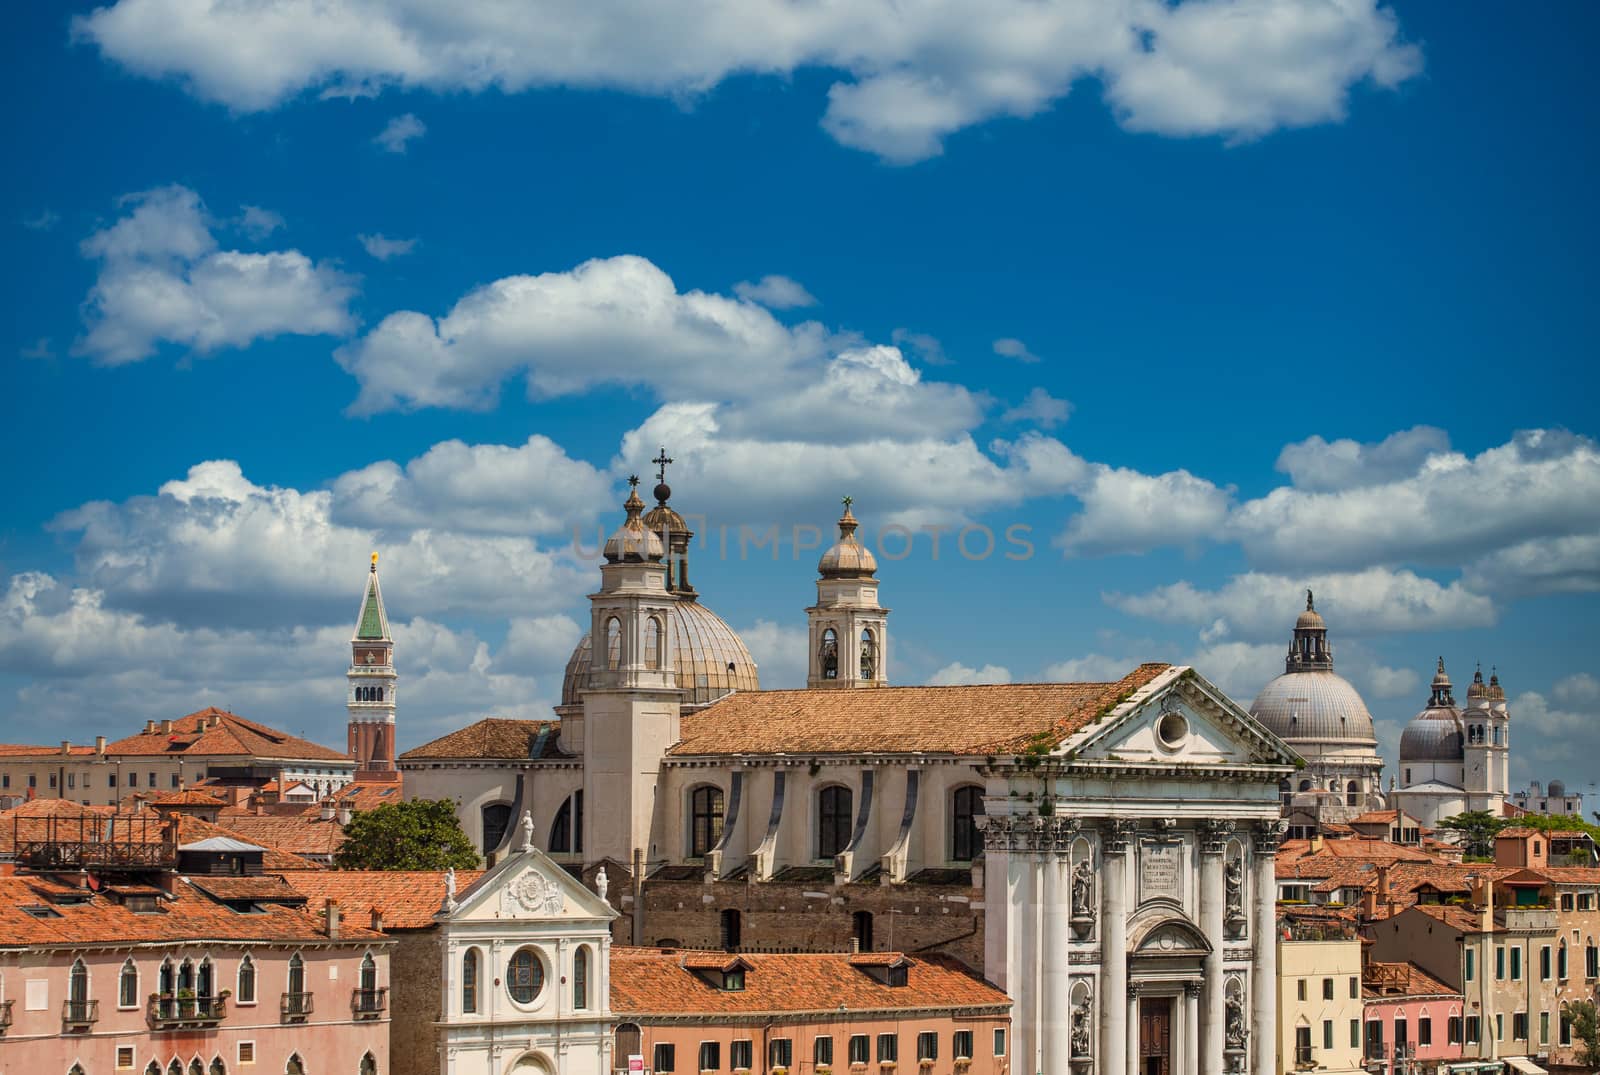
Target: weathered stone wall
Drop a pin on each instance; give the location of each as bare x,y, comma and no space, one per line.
414,1001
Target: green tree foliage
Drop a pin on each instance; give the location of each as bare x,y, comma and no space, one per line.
419,834
1477,829
1585,1032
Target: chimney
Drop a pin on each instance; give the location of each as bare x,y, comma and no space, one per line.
168,880
855,945
66,746
166,727
344,814
333,919
1369,903
377,919
327,809
100,744
149,727
1316,842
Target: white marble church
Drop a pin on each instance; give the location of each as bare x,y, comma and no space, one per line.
1106,849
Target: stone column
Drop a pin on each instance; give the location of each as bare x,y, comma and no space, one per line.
1028,977
1115,840
1191,1026
1213,841
1264,940
1055,841
1133,1029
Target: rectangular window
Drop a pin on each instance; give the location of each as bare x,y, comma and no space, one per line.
860,1049
1327,989
1327,1033
174,779
1302,1046
927,1045
52,780
152,782
1586,901
1300,989
5,780
665,1058
247,1052
1499,963
822,1052
1374,1038
1544,1028
1474,1029
1566,1029
1000,1042
1591,962
780,1052
1452,1030
1470,962
1516,963
961,1044
1519,1026
133,780
1425,1030
1566,901
741,1054
711,1056
1544,963
72,780
1355,1033
111,780
1355,988
1499,1027
33,780
124,1056
888,1048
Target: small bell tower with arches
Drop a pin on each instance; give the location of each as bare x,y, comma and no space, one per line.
371,700
848,628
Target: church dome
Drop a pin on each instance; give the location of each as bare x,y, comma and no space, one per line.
847,558
1314,707
632,542
1433,735
710,658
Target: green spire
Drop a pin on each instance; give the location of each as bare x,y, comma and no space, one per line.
373,624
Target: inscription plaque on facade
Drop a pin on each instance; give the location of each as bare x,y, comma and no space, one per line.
1159,870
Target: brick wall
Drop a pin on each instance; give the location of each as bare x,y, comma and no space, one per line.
414,1001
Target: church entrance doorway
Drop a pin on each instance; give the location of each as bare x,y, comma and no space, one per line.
1155,1036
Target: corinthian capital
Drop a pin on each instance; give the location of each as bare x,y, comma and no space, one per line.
1214,833
1270,834
1118,834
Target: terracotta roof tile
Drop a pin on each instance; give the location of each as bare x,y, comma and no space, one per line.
298,834
217,732
407,898
267,887
493,737
29,750
1573,875
991,719
654,982
184,798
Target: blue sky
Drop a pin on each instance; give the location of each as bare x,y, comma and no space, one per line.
1218,300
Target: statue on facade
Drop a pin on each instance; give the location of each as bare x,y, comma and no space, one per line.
1080,1029
1237,1035
450,885
527,830
1233,882
601,883
1083,890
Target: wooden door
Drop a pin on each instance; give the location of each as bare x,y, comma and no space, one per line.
1155,1036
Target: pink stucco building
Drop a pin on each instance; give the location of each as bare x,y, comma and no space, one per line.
1413,1021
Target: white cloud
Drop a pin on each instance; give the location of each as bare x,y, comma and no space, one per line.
909,75
1552,742
383,248
927,348
1010,348
1543,565
775,293
1040,408
400,132
956,674
1581,689
1319,465
1128,511
162,279
1258,605
258,223
1386,682
1090,668
780,653
1240,669
540,644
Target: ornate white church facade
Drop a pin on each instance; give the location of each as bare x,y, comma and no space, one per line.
1103,851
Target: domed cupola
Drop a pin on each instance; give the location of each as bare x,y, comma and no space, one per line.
1308,650
633,542
664,520
1442,697
847,558
849,630
1478,692
1437,734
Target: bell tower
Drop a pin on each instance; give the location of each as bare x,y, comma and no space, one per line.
849,630
371,700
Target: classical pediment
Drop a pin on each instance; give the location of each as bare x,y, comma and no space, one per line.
528,886
1172,937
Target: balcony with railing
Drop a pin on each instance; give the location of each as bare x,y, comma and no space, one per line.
1302,1056
296,1007
1375,1050
79,1014
369,1003
1537,919
5,1015
168,1012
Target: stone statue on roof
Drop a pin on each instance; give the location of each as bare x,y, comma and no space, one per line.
527,830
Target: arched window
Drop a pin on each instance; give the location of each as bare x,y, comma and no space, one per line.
469,982
566,832
731,930
705,820
205,981
369,1065
217,1067
869,654
128,986
167,979
1286,791
496,819
652,643
1305,785
297,979
245,989
152,1068
369,973
613,643
176,1067
524,976
294,1066
627,1041
1561,961
828,654
861,929
75,1069
966,805
580,978
1333,785
197,1067
78,991
833,821
186,976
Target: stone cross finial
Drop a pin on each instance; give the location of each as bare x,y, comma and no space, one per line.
848,501
527,830
633,481
661,462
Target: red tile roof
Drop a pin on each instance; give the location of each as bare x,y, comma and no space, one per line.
29,750
216,732
184,798
990,719
298,834
494,737
407,898
651,982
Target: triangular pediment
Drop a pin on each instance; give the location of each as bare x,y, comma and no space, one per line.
530,886
1180,719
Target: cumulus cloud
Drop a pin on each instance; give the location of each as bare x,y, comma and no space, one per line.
1543,565
398,134
258,223
927,348
1258,605
781,653
163,279
1040,408
956,674
908,75
1320,465
775,292
1549,738
1010,348
1125,510
1090,668
383,248
1386,682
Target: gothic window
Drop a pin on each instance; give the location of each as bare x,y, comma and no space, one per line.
730,921
246,991
469,981
1305,785
369,973
833,820
176,1067
78,983
152,1068
217,1067
1352,793
197,1067
566,832
369,1065
294,1066
869,654
613,643
828,655
652,643
496,819
705,819
297,975
966,805
205,982
167,982
580,978
128,986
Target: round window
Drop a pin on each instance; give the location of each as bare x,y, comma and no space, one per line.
524,976
1171,729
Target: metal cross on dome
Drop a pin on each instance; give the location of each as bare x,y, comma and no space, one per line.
661,462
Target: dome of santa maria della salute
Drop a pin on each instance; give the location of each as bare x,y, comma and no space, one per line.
710,658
